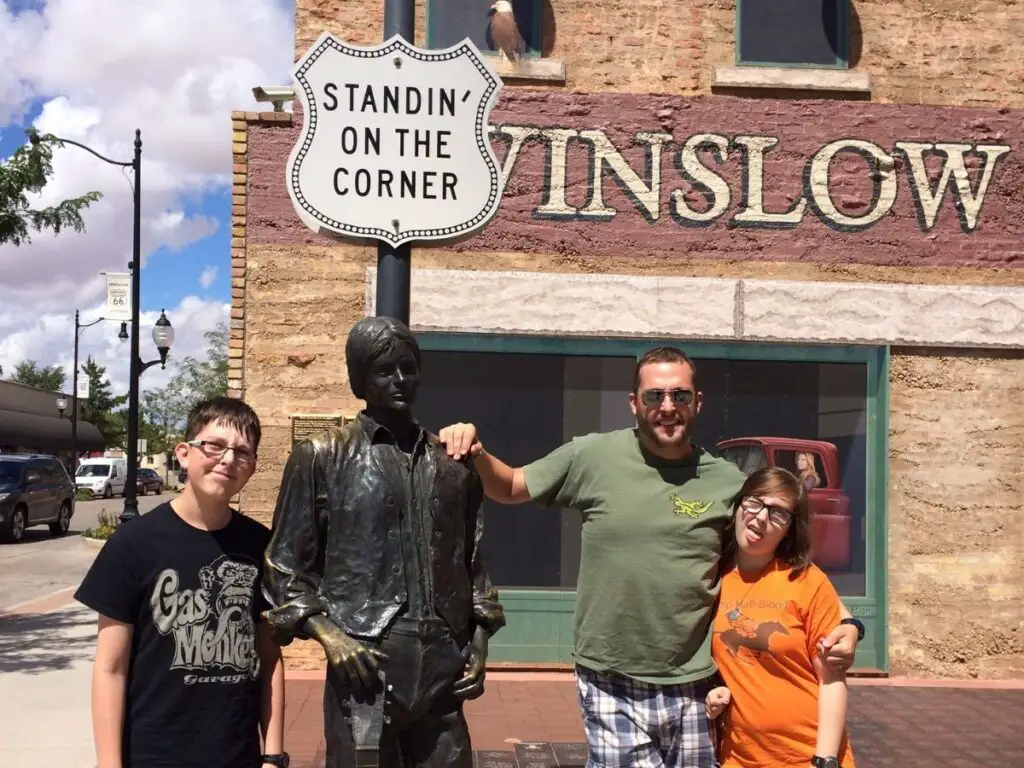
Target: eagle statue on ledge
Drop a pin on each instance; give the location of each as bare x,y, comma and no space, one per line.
505,31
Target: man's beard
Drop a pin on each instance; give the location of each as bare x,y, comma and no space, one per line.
678,440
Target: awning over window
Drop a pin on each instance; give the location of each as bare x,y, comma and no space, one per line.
46,434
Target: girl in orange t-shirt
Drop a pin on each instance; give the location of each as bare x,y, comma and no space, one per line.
783,706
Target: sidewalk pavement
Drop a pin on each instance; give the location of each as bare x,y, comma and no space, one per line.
45,672
532,721
522,720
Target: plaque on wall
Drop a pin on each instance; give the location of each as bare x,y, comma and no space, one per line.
307,424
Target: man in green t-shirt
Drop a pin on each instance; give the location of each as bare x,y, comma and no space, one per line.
654,509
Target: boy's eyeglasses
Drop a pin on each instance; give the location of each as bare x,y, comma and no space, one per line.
214,449
653,397
752,506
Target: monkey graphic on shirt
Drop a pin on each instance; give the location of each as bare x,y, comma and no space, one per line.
212,626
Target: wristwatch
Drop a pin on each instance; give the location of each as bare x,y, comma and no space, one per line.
858,624
279,761
824,762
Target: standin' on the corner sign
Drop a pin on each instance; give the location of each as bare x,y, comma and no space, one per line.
395,142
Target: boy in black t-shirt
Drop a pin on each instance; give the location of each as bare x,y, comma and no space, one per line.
186,673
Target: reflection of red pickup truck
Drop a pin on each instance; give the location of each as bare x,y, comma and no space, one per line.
830,507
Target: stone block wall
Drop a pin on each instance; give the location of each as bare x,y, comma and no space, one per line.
956,512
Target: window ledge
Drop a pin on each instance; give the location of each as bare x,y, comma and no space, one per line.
548,70
791,77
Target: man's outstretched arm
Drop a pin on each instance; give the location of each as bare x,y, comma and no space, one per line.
502,483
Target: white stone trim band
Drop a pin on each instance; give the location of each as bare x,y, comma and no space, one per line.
563,304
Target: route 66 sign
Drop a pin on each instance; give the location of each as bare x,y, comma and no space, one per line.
395,143
119,305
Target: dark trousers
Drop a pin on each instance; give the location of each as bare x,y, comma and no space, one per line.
421,721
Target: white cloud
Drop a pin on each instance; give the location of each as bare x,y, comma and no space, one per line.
48,338
209,275
174,69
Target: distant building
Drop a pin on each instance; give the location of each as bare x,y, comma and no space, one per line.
30,422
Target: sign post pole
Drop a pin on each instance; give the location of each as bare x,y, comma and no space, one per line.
394,263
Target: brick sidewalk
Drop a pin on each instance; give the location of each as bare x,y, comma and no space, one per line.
533,720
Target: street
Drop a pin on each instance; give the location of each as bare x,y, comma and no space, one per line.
40,565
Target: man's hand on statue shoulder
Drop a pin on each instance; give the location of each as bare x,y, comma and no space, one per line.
460,440
358,662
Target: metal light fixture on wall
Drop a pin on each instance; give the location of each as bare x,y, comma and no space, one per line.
62,403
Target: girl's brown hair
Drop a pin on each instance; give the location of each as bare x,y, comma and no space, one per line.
795,547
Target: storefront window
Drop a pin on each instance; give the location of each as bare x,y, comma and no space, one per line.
805,416
809,418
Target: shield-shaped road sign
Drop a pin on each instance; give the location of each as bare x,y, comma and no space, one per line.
395,143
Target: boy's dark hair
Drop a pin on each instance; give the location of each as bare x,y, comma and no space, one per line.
795,547
663,355
370,338
225,410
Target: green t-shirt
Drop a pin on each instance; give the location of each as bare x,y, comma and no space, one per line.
652,538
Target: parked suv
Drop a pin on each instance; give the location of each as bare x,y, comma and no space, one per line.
34,490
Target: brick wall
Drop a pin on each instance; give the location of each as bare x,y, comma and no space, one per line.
919,52
956,419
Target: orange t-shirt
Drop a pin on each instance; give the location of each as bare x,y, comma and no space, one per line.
764,637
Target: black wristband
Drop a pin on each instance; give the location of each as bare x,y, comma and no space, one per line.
858,624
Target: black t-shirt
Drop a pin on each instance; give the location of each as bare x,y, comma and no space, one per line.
194,599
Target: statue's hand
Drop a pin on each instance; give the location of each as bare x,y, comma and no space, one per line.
471,684
360,663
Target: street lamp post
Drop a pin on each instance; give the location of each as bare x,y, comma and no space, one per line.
135,366
163,337
74,393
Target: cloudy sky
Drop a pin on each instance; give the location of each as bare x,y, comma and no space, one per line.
94,71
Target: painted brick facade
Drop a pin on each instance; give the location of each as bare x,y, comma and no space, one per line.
764,180
939,72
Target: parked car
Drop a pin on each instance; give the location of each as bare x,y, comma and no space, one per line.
148,480
34,490
829,505
102,476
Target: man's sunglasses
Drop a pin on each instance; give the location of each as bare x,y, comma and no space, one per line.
653,397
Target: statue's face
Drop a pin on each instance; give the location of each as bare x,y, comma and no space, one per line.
393,380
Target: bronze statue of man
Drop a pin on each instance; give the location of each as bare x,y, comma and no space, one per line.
375,554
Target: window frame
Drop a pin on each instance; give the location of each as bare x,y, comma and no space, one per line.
843,33
538,31
540,628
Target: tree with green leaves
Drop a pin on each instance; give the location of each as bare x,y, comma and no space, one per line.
26,172
51,378
160,423
101,407
201,380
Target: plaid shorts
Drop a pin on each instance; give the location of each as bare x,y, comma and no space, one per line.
632,724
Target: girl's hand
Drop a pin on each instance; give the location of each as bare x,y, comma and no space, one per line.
716,701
